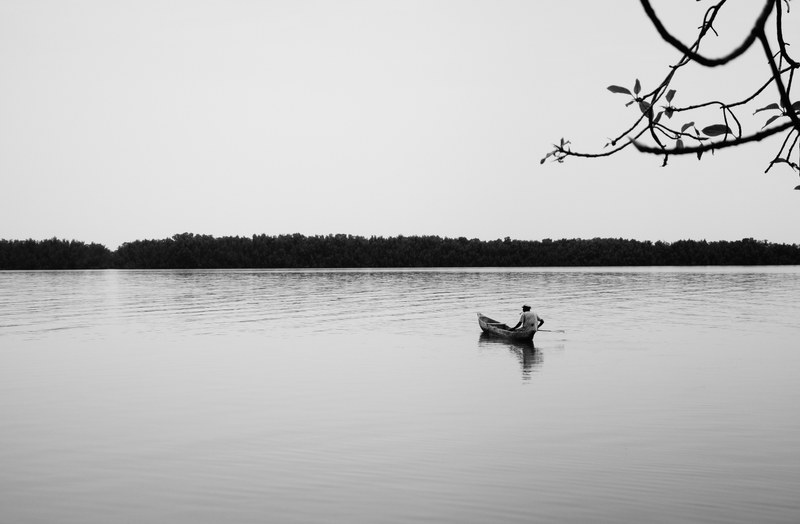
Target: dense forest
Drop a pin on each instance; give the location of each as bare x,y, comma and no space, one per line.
189,251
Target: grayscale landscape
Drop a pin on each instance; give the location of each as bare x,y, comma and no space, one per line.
244,246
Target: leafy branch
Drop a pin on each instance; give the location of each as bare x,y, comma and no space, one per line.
653,130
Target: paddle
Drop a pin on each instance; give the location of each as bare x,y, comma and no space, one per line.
547,330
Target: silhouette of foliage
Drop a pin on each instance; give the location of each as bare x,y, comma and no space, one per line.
189,251
53,254
651,133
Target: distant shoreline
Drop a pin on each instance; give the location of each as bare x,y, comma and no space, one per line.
190,251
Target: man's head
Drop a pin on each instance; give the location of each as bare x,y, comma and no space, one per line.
526,307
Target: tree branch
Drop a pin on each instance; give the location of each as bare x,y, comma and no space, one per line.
697,57
649,119
756,137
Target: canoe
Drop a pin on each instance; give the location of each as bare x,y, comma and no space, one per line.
493,327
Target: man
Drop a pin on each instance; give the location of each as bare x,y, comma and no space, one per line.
529,319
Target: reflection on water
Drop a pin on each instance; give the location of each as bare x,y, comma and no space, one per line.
372,396
530,359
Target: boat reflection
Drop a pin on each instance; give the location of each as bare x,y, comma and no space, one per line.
530,358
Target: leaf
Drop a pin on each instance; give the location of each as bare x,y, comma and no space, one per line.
679,144
670,94
668,111
771,120
644,106
798,187
686,126
716,130
796,106
699,155
767,108
619,89
637,87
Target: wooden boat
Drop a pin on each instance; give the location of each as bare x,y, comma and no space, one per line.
493,327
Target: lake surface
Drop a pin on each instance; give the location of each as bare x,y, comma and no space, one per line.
370,396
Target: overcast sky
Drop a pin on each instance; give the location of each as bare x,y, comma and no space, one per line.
141,119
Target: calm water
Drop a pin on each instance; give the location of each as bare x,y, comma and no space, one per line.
370,396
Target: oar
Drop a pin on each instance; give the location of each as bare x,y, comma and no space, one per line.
547,330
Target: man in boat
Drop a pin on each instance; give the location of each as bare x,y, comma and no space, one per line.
529,319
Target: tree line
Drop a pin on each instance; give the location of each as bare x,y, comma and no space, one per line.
190,251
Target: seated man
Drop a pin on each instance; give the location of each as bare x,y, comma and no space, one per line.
528,319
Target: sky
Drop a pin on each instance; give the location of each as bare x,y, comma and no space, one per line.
124,120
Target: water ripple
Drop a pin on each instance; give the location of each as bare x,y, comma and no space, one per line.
430,301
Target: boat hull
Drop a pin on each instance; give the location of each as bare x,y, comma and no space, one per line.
498,329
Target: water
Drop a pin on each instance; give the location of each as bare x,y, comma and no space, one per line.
371,396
